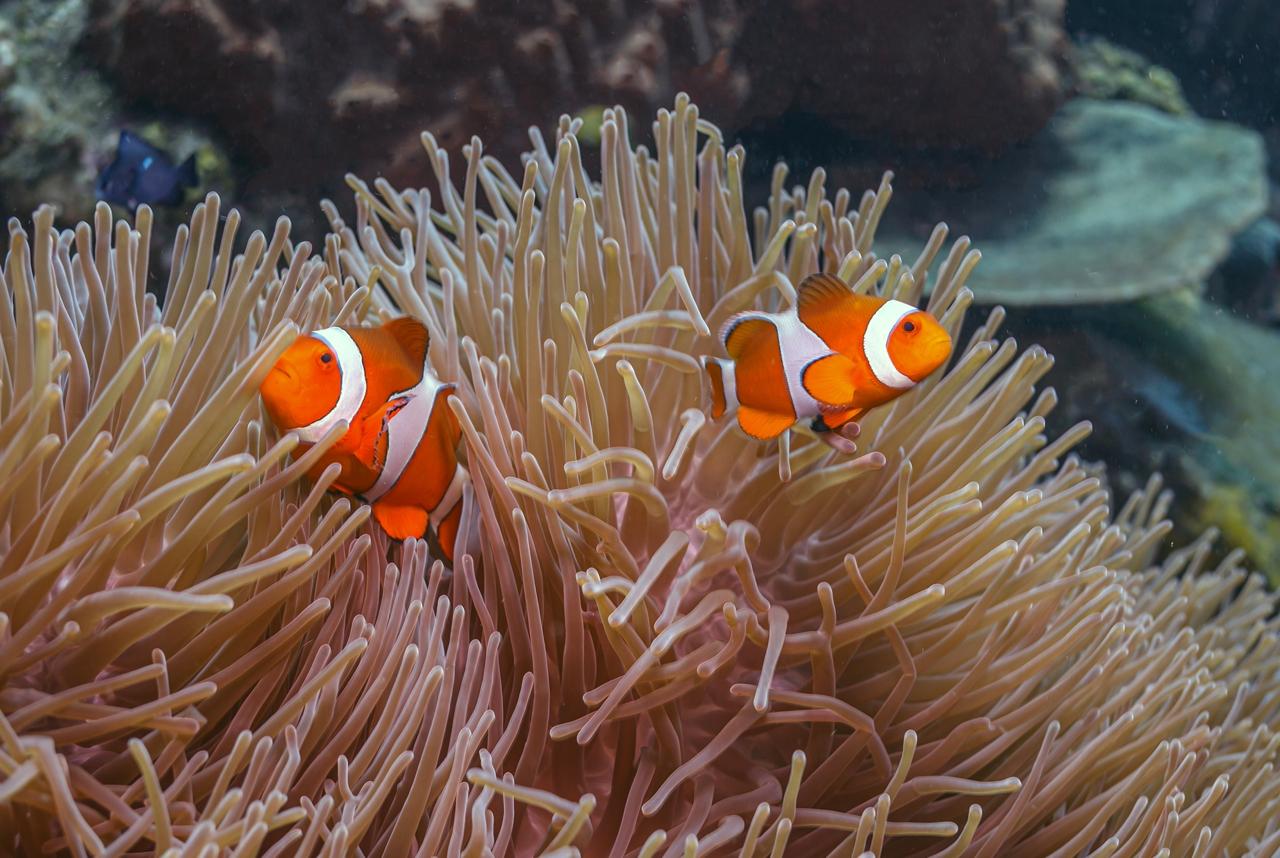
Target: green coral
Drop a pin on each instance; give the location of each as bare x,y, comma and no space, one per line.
60,119
1235,513
1107,71
213,166
1205,380
592,117
52,108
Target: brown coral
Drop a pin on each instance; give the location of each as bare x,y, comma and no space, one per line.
671,640
301,94
972,74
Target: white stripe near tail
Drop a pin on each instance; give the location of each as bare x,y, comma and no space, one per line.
724,387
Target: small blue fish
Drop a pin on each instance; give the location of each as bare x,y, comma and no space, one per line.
142,174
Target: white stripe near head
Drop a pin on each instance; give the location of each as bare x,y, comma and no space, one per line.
351,372
875,344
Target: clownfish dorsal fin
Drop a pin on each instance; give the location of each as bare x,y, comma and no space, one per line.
412,337
828,307
747,332
822,292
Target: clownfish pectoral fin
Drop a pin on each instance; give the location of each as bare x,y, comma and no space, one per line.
411,335
401,522
763,425
829,380
835,419
748,333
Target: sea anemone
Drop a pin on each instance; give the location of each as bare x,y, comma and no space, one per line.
666,638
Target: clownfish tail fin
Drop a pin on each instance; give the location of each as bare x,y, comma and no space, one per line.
720,377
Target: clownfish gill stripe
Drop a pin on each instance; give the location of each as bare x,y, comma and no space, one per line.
351,396
875,344
405,431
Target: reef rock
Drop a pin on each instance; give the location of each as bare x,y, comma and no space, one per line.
1113,201
1222,52
1104,70
303,94
53,110
1179,386
962,74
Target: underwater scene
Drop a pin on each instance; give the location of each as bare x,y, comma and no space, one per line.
640,428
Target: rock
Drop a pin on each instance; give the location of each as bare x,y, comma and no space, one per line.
1248,280
968,74
1113,201
1223,52
53,109
1176,385
304,96
8,54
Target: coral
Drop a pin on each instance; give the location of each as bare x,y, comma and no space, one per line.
1219,51
1176,384
292,112
1108,71
979,74
53,109
1151,201
60,120
671,640
971,74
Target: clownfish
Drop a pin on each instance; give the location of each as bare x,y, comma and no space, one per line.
829,358
399,452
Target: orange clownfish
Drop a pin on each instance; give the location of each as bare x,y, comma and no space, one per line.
828,359
399,452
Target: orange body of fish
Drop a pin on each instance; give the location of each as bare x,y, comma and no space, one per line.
828,359
399,452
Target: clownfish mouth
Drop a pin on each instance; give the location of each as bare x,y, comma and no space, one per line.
280,383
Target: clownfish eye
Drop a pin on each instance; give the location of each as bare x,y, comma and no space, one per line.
908,326
326,358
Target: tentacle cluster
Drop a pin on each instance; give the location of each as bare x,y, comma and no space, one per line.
668,639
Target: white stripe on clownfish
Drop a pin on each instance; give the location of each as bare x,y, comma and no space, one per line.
351,395
875,344
798,346
405,431
729,380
